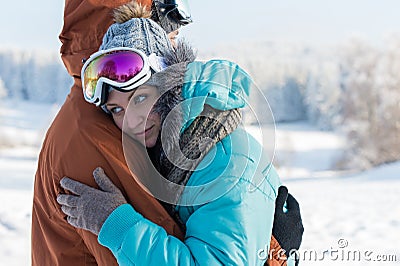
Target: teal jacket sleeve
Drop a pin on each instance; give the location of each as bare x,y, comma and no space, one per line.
135,240
228,230
224,232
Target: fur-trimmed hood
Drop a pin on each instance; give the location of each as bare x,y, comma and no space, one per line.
186,86
188,89
169,82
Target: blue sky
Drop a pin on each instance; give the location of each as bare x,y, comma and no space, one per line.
27,24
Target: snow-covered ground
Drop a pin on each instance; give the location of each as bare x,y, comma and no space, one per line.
343,213
22,128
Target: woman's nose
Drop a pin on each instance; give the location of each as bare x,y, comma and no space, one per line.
133,121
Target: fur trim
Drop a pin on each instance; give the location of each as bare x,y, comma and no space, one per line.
184,52
130,10
176,61
169,82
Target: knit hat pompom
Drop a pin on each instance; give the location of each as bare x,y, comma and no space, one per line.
130,10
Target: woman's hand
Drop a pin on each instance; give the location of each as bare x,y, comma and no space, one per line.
288,227
88,208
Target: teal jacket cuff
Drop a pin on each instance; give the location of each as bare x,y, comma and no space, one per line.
112,233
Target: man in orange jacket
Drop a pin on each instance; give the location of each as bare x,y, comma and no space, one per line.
81,138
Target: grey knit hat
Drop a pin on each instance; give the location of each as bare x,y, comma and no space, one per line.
139,33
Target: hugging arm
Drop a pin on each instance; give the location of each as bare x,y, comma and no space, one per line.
97,204
221,240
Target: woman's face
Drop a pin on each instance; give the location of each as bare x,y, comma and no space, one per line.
140,123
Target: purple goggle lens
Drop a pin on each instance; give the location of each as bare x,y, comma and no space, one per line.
121,68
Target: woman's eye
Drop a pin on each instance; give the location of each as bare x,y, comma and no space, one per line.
115,110
140,98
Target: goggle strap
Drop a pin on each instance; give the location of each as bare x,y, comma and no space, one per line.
104,94
104,108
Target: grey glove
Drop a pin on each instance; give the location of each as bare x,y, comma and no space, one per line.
89,207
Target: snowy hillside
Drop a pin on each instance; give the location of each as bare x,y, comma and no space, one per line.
360,209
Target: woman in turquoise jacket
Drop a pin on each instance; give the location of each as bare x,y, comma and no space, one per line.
225,195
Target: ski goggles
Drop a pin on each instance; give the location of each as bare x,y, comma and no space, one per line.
124,69
177,10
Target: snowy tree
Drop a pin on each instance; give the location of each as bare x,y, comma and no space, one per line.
34,76
370,103
322,94
8,73
3,90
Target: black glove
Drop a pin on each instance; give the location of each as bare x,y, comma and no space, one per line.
288,228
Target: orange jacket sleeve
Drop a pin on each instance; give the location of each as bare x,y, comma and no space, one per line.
275,256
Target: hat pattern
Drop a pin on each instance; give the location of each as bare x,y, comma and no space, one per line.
139,33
